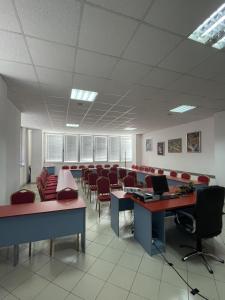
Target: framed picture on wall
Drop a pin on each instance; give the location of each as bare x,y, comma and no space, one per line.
175,145
148,144
194,142
161,148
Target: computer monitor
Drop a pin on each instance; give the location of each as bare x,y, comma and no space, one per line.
160,184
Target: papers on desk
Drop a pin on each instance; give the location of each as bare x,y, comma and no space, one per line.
131,189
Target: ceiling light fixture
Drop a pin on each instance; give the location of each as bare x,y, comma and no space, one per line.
72,125
130,128
182,108
83,95
212,30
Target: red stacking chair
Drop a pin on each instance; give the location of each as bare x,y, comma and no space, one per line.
73,167
152,170
21,197
133,166
128,181
82,176
204,179
99,171
98,166
148,181
107,166
147,169
66,194
122,173
86,173
82,167
116,166
141,168
160,171
103,190
113,181
105,172
65,167
46,194
173,174
113,169
186,176
92,186
134,174
91,166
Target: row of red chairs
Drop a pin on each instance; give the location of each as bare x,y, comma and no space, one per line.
74,167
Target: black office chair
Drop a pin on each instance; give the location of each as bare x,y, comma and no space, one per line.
205,221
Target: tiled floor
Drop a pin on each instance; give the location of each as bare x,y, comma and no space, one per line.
112,269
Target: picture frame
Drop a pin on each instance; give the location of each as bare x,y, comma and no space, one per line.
175,145
194,142
161,148
148,145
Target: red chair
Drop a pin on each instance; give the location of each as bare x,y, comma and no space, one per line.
98,166
147,169
82,176
173,173
65,167
82,167
92,186
107,166
122,174
73,167
113,169
105,172
21,197
204,179
103,191
160,171
148,181
142,168
186,176
91,166
134,174
46,194
85,181
113,181
133,166
116,166
99,171
66,194
128,181
152,170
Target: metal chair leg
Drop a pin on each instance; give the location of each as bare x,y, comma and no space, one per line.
207,264
30,249
99,209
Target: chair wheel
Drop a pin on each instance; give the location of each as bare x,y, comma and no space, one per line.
182,259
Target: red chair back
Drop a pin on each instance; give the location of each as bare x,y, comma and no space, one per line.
133,166
113,178
160,171
73,167
122,173
99,171
67,193
82,167
141,168
112,169
92,178
115,166
105,172
185,176
129,181
98,166
133,174
86,173
65,167
22,196
91,166
173,173
148,181
147,169
107,166
103,186
152,170
203,179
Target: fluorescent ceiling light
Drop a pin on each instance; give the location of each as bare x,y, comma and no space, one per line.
72,125
212,30
130,128
182,108
83,95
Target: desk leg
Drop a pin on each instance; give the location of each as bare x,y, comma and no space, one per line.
115,214
15,255
83,242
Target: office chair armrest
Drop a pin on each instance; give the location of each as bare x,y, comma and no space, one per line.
190,216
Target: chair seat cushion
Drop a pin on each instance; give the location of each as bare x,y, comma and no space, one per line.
105,197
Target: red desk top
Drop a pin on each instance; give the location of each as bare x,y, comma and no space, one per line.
160,205
66,180
40,207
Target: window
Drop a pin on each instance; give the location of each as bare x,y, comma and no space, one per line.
100,148
86,148
54,148
114,148
126,148
71,148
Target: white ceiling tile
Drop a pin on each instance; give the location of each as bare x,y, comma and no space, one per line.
54,90
150,45
95,64
181,16
12,47
132,8
51,55
105,32
107,98
129,71
186,56
52,20
17,71
160,78
89,83
48,76
8,18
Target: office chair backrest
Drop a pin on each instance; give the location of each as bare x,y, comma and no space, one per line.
129,181
208,211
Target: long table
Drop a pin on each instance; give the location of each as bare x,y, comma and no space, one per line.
66,180
41,221
148,217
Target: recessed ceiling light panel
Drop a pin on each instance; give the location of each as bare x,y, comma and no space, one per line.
83,95
212,30
130,128
183,108
72,125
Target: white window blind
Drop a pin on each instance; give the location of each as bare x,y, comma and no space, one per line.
126,148
86,148
54,148
71,148
114,148
100,152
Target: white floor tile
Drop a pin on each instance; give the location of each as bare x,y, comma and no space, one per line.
171,277
111,255
103,239
111,292
101,269
151,268
130,261
122,277
68,278
135,297
84,261
95,249
36,262
52,292
52,269
3,292
118,244
73,297
169,292
146,287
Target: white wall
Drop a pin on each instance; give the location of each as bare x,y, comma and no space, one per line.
203,162
36,154
10,120
220,148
